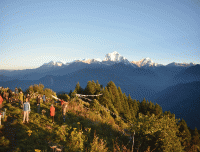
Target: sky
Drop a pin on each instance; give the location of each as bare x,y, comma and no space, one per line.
34,32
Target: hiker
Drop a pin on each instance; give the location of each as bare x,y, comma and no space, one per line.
1,102
1,91
52,112
9,95
26,109
38,104
21,98
61,101
29,97
44,98
16,90
47,100
6,95
0,117
64,109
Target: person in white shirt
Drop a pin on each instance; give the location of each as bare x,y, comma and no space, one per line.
26,109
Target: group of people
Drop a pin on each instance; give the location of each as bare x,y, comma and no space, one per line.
64,106
20,97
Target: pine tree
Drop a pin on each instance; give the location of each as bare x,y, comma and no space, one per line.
90,88
70,92
184,134
151,107
105,98
135,109
143,107
121,99
78,88
158,133
94,86
157,110
195,142
98,87
114,96
130,103
73,94
127,114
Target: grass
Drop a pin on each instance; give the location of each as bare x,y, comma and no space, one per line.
93,130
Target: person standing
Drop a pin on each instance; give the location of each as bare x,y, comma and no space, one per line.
44,98
16,93
52,112
16,90
26,109
61,101
29,97
64,110
21,95
0,117
9,95
1,102
38,104
1,92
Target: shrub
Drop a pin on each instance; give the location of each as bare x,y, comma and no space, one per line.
77,140
4,142
98,145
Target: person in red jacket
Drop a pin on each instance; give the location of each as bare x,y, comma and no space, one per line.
1,102
61,101
52,112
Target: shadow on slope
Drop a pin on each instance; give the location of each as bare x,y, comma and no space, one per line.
183,100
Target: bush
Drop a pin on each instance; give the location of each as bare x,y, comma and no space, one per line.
98,145
4,143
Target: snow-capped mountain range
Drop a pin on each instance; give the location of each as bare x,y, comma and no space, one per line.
52,63
115,57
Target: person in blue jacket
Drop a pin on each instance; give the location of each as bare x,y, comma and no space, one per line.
44,98
26,109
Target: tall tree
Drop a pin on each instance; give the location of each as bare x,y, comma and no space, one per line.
105,98
135,109
130,103
143,107
151,107
90,88
98,87
121,99
114,91
78,88
184,134
157,110
73,94
158,134
127,114
195,142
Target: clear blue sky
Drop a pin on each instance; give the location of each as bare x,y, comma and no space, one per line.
34,32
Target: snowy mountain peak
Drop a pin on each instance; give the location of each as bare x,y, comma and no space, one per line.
89,61
146,62
52,64
174,64
115,56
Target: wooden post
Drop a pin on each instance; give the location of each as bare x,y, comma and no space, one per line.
133,141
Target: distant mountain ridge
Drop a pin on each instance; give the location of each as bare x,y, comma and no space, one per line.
115,57
183,100
53,64
110,59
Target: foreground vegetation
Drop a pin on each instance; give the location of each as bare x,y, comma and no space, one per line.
89,127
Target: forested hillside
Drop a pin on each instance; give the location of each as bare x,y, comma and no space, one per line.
107,122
